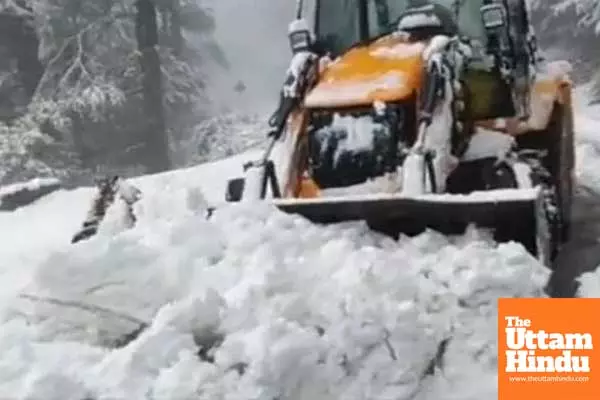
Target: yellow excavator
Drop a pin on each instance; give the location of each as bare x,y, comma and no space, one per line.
421,114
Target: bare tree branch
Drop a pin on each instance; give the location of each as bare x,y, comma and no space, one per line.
82,306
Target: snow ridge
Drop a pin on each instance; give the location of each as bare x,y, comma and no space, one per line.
284,308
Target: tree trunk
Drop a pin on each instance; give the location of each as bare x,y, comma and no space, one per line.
156,141
20,41
175,28
171,34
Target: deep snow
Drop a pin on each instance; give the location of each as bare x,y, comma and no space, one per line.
269,283
588,176
290,310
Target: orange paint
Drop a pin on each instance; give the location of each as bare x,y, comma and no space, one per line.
546,91
545,87
554,86
308,189
389,69
564,347
297,122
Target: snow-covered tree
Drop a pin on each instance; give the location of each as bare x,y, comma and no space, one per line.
27,153
588,12
89,95
20,68
571,29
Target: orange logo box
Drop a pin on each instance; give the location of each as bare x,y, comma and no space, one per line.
549,349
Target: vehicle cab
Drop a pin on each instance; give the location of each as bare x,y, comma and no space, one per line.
501,67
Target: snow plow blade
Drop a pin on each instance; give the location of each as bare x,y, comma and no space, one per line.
513,215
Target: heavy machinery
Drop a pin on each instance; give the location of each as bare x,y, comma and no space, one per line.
421,114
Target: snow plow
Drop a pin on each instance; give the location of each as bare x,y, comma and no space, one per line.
421,114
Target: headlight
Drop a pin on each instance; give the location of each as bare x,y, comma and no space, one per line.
299,36
299,41
493,16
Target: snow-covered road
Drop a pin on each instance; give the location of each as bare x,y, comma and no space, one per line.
253,304
582,255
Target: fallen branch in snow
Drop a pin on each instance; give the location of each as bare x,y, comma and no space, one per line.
82,306
108,190
388,345
103,286
122,341
437,361
127,338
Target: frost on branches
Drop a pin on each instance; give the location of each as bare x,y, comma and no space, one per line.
220,137
571,29
89,96
26,153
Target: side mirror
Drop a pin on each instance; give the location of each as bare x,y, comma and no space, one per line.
235,189
494,16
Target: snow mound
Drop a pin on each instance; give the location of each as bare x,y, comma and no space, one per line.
258,304
589,284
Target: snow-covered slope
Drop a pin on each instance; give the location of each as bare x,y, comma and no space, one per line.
588,176
253,304
303,311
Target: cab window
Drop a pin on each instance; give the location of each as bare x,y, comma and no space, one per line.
383,14
337,21
469,20
337,24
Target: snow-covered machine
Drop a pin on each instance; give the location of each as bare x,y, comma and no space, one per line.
421,114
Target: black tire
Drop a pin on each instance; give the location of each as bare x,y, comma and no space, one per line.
557,140
555,224
568,165
561,162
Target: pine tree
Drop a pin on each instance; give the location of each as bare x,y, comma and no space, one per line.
89,94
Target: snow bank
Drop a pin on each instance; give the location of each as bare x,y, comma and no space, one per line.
33,184
23,193
254,304
588,145
284,309
589,284
588,165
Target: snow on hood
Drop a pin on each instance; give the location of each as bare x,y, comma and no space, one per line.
398,51
386,70
290,309
355,92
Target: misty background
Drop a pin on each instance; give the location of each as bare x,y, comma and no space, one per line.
74,74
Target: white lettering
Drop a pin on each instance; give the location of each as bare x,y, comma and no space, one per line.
522,343
578,341
528,361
